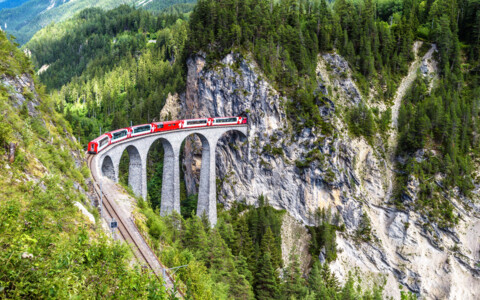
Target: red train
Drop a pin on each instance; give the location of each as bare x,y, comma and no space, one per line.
118,135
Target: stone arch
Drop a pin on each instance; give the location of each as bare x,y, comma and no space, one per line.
234,133
108,169
231,147
169,177
135,172
204,187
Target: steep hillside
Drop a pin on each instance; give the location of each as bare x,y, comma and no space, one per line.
25,20
49,249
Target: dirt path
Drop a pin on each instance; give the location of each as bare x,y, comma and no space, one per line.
402,89
397,101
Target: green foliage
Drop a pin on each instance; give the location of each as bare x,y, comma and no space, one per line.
323,284
266,285
67,258
294,285
384,121
30,17
38,126
286,36
12,61
439,126
274,151
408,296
170,6
361,122
322,281
189,206
155,174
5,133
229,254
48,248
364,230
324,235
117,77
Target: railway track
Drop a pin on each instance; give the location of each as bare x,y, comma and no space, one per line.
130,234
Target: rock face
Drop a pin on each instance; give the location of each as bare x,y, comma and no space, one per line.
22,91
308,171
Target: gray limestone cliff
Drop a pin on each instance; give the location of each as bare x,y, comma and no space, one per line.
302,172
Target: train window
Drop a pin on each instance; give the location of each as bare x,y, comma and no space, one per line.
227,120
120,134
159,125
170,125
196,122
141,129
103,142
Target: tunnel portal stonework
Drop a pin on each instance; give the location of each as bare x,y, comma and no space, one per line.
108,162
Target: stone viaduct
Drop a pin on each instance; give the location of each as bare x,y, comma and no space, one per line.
108,160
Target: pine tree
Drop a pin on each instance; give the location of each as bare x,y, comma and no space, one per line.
195,236
294,283
269,245
322,281
243,243
266,285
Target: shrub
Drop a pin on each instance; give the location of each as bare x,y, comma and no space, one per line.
361,122
5,132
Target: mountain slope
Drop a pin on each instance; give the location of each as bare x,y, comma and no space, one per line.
49,249
11,3
25,20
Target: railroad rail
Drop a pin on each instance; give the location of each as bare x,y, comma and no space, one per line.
140,253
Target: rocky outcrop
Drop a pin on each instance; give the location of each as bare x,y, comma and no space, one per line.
310,170
22,91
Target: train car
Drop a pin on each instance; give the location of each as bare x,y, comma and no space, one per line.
166,126
228,121
194,123
98,144
139,130
119,135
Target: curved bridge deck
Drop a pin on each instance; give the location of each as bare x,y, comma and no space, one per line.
108,160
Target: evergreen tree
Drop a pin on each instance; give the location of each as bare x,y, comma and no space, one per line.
269,245
294,285
266,285
195,236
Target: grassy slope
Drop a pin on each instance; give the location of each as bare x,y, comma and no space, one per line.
47,248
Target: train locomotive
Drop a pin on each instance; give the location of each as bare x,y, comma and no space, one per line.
118,135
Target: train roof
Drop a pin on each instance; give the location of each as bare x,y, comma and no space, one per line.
168,122
196,119
135,126
126,128
100,137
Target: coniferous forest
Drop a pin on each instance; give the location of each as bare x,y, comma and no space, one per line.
106,69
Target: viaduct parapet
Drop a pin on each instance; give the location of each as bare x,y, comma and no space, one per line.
107,163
